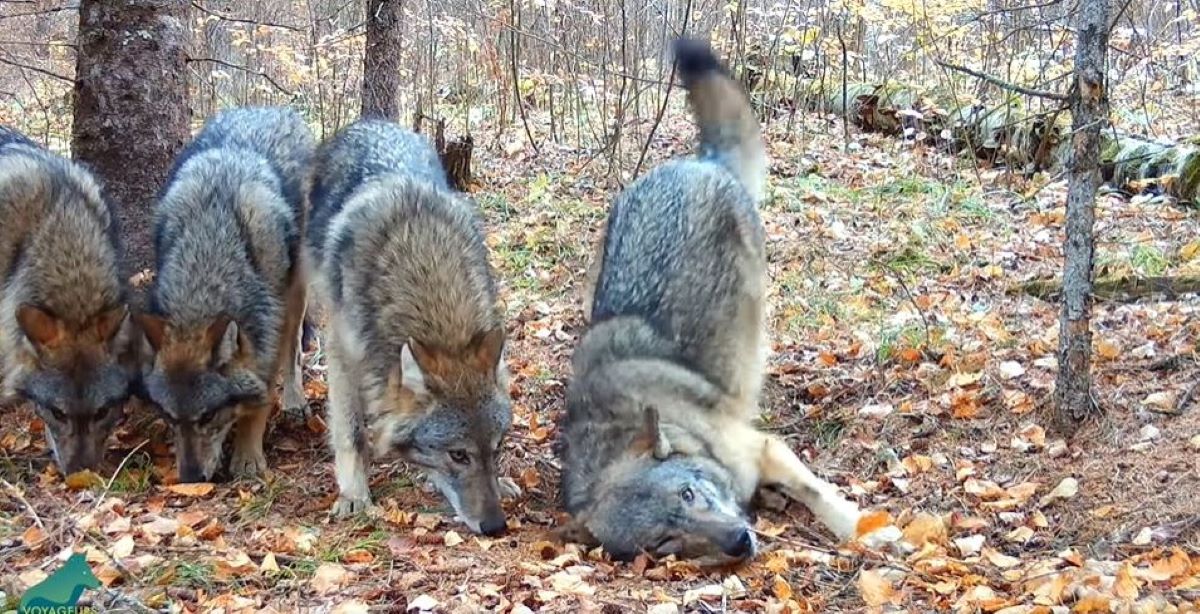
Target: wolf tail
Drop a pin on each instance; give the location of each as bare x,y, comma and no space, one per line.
729,132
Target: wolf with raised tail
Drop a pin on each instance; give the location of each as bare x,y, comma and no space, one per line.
659,450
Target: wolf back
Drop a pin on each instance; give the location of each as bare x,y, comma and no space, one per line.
415,330
229,292
64,331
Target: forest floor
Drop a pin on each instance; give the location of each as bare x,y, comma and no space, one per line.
906,369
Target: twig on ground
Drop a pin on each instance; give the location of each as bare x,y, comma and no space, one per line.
20,496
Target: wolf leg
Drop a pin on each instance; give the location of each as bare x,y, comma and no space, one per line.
248,459
779,466
291,351
346,436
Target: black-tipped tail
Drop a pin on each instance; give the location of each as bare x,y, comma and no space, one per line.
695,60
729,132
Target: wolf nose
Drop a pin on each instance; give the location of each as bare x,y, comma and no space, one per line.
191,474
742,546
493,527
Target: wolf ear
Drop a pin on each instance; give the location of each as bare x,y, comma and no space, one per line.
409,372
154,328
653,433
431,362
40,327
485,350
224,339
109,323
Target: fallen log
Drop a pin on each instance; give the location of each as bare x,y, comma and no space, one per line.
1121,289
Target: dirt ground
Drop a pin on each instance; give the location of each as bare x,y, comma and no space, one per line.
908,369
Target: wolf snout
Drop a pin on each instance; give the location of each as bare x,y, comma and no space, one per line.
740,544
494,525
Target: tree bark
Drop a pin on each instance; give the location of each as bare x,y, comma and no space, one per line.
131,106
381,61
1089,114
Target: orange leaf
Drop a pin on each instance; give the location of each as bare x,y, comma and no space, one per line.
1107,350
530,478
358,555
910,355
194,489
33,537
81,480
827,359
869,523
925,528
1126,585
781,589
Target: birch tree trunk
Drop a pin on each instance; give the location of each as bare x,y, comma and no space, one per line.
1089,114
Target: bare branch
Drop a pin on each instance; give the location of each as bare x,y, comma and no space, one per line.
12,62
1004,84
206,11
248,70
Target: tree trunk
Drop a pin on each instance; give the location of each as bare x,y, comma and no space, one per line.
381,61
131,106
1089,113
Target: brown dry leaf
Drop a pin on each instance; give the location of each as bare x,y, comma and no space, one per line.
827,359
329,577
81,480
1019,535
194,489
925,528
29,577
33,537
452,539
1066,489
876,590
1095,603
353,606
1023,491
984,489
358,555
530,478
122,547
107,574
917,463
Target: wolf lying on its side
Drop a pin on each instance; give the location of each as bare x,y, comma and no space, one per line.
415,337
659,451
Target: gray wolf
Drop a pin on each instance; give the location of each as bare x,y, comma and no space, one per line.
228,300
658,448
415,335
65,333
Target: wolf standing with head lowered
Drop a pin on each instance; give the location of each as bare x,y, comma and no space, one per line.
415,334
228,299
659,451
65,339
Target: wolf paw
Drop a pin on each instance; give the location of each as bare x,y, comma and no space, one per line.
349,506
247,464
508,488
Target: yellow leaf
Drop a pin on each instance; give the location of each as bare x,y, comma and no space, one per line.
1190,251
962,242
1093,603
83,479
876,590
269,564
1164,569
194,489
33,537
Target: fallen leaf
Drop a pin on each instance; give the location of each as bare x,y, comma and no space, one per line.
423,603
330,577
452,539
1126,586
269,564
193,489
81,480
122,547
999,559
872,522
1143,537
925,528
353,606
969,545
33,537
781,589
1107,350
1066,489
876,590
1010,369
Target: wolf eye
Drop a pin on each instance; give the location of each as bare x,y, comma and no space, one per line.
460,457
687,494
56,412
